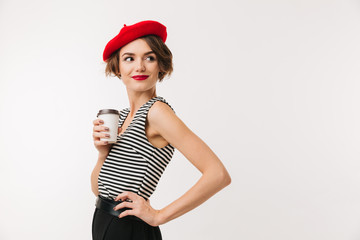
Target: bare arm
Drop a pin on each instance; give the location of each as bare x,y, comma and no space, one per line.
103,148
95,174
214,175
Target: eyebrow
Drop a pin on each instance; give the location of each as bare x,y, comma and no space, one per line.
129,53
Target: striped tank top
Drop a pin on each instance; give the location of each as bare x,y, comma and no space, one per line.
133,163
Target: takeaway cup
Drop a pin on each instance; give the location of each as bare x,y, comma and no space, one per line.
111,120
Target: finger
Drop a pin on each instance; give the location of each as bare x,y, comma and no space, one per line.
119,130
98,121
122,196
126,213
101,143
100,129
126,195
124,205
98,135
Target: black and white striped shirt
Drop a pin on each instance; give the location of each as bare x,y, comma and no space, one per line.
133,163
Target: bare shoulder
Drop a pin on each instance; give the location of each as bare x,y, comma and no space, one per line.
161,115
159,109
166,123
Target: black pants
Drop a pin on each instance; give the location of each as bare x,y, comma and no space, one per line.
108,227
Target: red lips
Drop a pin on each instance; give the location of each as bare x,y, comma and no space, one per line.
140,77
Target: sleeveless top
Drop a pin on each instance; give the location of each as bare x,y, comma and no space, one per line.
133,163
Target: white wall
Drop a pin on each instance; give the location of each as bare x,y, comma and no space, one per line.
271,86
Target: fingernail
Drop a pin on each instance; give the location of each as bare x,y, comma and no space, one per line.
114,209
101,121
107,129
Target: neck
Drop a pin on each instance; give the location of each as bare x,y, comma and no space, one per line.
137,99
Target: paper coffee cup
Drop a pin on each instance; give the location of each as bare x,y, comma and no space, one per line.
111,120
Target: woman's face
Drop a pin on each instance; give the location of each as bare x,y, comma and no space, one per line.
136,58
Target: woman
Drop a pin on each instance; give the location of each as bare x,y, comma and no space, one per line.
128,171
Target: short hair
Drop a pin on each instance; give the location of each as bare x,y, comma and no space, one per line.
162,52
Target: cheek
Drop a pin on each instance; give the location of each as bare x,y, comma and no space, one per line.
124,69
154,68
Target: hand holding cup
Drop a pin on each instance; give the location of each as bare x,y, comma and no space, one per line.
105,130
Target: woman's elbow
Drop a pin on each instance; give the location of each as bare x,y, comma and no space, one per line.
226,179
223,178
219,175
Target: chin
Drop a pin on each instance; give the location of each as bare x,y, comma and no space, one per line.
142,88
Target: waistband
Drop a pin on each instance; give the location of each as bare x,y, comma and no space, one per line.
107,205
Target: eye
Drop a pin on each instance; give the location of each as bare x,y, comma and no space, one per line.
152,58
125,59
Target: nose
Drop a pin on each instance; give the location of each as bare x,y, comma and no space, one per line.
140,66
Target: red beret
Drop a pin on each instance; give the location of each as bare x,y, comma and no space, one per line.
132,32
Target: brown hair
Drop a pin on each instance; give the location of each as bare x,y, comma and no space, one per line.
162,52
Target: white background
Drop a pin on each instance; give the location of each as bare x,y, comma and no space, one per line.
271,86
